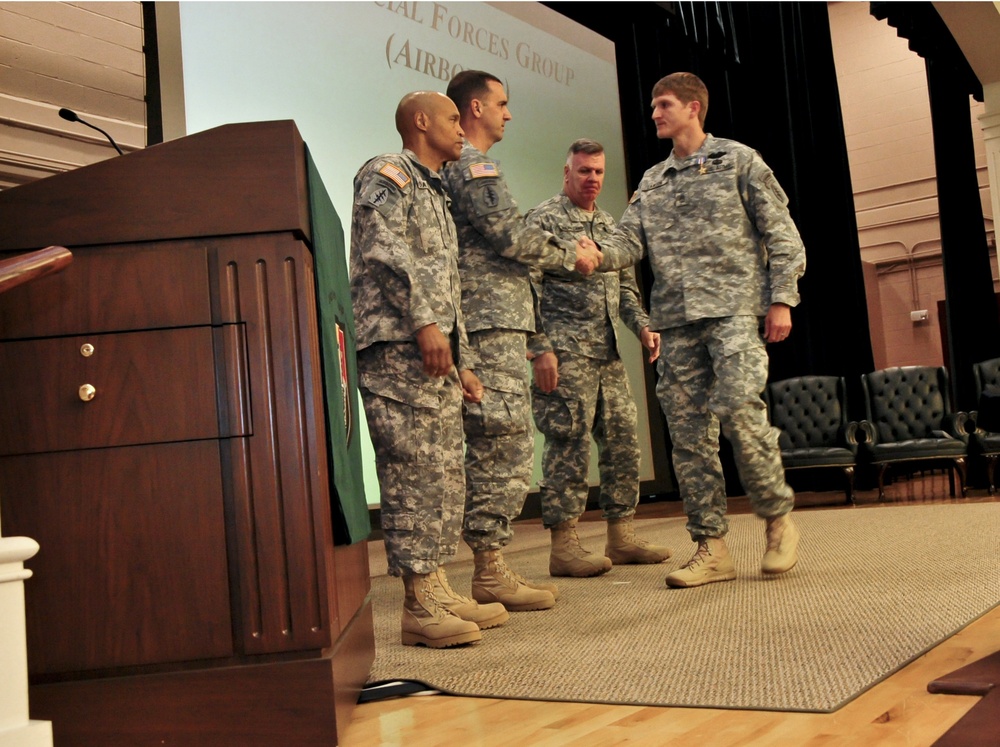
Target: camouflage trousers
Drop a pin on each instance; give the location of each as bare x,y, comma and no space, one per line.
499,440
415,422
593,397
712,372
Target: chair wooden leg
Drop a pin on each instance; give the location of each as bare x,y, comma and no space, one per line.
960,468
991,463
881,480
849,474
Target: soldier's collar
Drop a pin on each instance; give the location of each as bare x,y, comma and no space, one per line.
574,209
425,171
678,164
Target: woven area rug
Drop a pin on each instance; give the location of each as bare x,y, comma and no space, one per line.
874,588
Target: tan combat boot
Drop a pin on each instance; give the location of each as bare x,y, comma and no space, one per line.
426,622
624,547
483,615
537,585
782,545
495,582
569,558
711,562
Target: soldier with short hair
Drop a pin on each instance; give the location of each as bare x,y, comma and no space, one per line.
496,249
725,254
580,383
414,366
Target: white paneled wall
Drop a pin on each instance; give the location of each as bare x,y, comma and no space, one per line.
887,122
83,56
86,57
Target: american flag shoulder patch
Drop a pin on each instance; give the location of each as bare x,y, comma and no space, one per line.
396,174
478,170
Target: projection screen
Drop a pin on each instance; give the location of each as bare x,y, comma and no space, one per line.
338,69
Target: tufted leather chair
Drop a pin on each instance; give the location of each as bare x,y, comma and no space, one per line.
811,414
986,441
909,418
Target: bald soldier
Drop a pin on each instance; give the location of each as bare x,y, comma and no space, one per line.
415,367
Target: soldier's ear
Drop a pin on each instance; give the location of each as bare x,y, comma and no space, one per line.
421,120
477,107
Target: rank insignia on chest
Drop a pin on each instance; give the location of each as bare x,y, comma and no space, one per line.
479,170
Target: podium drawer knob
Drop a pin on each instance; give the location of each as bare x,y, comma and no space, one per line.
87,392
87,350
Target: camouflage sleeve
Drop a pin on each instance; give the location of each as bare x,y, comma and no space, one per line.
487,203
630,302
538,341
627,245
768,208
380,219
468,359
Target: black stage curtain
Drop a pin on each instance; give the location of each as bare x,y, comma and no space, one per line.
770,73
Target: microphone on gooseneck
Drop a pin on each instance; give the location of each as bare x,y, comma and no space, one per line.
71,116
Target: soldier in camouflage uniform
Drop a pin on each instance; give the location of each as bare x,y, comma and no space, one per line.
407,305
580,383
496,249
724,253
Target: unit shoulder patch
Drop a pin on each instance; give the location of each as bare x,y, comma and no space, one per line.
490,197
771,183
381,193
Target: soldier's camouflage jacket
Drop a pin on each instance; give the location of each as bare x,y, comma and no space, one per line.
497,246
576,313
404,255
716,228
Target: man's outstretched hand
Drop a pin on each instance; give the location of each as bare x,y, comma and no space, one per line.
588,256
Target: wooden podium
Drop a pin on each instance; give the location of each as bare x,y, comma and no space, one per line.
163,438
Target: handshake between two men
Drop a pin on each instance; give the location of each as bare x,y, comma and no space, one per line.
588,256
